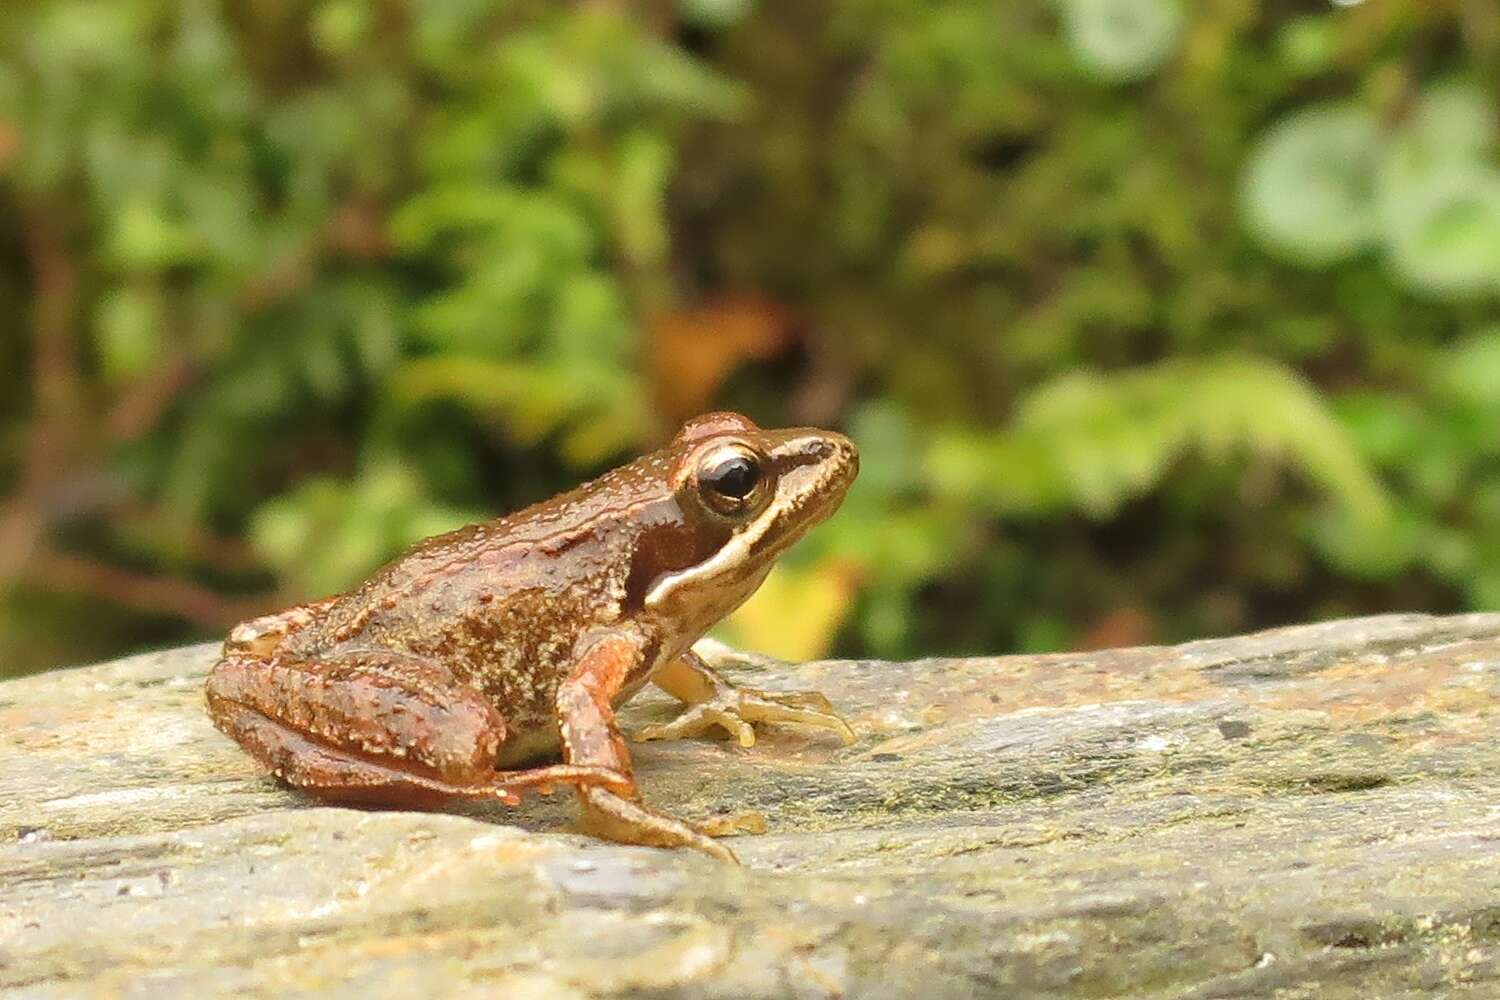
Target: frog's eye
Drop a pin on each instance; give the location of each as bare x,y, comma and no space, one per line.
729,479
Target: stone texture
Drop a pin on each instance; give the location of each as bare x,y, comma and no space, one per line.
1310,812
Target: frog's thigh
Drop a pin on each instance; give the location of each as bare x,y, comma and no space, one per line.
376,725
591,738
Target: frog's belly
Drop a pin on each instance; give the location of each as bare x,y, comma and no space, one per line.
527,747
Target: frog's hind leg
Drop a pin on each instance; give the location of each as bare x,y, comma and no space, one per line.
375,727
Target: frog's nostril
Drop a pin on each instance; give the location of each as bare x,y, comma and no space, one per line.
822,448
810,450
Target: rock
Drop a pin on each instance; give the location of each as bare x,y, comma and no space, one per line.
1308,812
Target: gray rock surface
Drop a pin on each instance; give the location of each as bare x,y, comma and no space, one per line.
1310,812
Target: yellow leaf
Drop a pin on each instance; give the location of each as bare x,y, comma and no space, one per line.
797,612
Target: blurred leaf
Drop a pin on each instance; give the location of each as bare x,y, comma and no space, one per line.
796,613
339,26
86,34
1468,372
1098,440
596,406
128,332
1308,44
1453,122
1122,40
715,14
639,196
1483,588
146,238
1369,551
328,535
888,443
1309,188
885,620
1386,429
692,351
1446,236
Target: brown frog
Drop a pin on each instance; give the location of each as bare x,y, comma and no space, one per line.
481,650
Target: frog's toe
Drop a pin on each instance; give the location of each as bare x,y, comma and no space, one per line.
736,711
715,850
607,815
814,701
698,719
808,708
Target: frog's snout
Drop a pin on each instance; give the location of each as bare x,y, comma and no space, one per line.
837,454
843,453
820,464
825,447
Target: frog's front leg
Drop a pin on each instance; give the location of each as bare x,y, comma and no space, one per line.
590,738
375,726
713,701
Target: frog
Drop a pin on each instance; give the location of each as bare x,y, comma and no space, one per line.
467,666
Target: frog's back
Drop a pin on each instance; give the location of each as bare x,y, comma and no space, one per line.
521,580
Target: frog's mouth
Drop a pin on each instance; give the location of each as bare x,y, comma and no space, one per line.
813,472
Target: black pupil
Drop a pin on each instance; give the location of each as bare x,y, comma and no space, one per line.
734,477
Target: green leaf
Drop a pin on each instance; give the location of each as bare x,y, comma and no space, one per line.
1309,188
1468,372
1453,122
146,238
1368,551
127,332
1094,441
340,26
1445,238
1122,40
598,407
328,534
639,195
715,14
1308,44
1387,429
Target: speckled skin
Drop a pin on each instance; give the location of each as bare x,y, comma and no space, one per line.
456,658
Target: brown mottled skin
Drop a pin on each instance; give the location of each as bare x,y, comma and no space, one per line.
493,645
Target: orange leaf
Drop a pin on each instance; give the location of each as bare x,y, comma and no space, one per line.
692,351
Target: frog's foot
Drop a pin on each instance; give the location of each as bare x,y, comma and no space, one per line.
713,701
736,709
615,817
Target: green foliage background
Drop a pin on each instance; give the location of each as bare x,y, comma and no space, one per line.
1152,319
